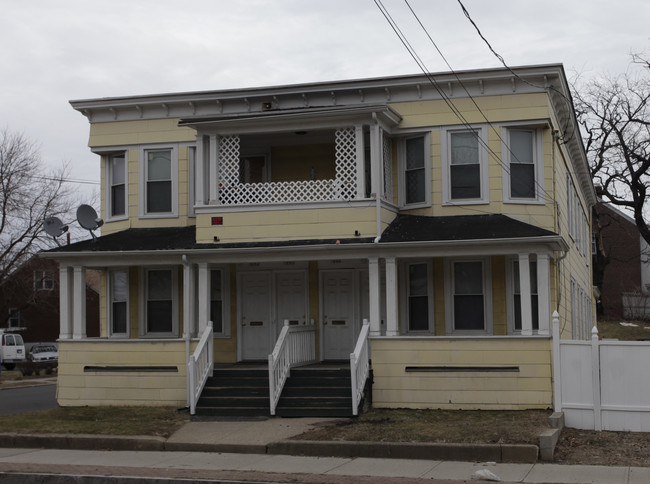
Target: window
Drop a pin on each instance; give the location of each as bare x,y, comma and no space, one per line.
464,166
415,161
43,281
14,318
161,304
216,301
119,307
418,297
468,295
117,185
516,300
159,185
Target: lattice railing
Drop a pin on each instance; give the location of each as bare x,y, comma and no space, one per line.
343,187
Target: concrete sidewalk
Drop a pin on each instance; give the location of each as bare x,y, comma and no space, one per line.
264,450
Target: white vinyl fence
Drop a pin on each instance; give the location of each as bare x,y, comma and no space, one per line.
602,385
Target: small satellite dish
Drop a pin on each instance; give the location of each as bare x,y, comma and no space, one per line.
54,227
88,219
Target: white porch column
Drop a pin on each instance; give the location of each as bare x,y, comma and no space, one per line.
360,156
189,298
79,303
204,296
375,160
374,296
213,172
391,298
544,293
199,171
524,295
65,302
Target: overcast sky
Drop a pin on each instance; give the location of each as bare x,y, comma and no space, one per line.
55,51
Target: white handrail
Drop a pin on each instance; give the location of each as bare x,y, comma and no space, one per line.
200,366
359,366
295,346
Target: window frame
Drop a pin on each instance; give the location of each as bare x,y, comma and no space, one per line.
538,164
14,314
109,306
402,170
42,281
144,298
487,297
108,173
405,294
483,159
144,151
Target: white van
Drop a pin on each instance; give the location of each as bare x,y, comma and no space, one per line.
12,349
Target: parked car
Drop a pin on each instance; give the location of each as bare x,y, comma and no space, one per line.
43,352
12,349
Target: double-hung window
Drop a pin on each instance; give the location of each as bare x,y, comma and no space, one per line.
469,296
419,297
43,281
119,303
116,174
415,176
161,303
464,166
14,318
159,187
522,165
516,295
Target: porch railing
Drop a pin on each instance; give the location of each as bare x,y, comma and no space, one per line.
200,366
295,346
359,366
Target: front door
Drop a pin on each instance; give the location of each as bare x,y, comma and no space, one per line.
291,290
255,315
339,325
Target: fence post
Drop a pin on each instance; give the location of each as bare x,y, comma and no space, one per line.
595,377
557,378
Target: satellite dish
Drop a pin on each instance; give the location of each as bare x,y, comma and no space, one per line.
88,219
54,227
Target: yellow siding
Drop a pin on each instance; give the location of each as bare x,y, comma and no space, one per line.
122,133
530,387
77,387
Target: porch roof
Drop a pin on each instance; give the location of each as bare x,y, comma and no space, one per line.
403,229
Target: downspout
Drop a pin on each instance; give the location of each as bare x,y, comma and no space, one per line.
377,177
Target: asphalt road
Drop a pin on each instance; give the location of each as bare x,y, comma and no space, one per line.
27,399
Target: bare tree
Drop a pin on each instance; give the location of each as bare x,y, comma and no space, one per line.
614,114
28,194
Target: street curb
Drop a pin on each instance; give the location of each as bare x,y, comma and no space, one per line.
519,453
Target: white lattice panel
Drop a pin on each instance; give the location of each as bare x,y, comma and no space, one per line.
346,163
229,159
387,158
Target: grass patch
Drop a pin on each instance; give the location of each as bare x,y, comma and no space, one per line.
153,421
614,330
459,426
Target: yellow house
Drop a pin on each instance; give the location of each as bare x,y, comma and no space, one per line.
451,211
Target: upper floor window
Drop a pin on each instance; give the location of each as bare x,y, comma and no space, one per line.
43,281
464,166
159,188
116,175
119,303
523,165
414,158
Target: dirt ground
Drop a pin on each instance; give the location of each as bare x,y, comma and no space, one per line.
603,448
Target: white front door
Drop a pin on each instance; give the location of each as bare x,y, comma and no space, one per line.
291,298
339,325
255,321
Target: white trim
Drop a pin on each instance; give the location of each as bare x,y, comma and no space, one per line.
483,159
144,333
401,175
404,294
144,149
109,303
487,297
538,163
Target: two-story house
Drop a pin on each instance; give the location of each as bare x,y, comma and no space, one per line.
452,211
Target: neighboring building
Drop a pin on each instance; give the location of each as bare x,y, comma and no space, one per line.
455,224
621,265
29,302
